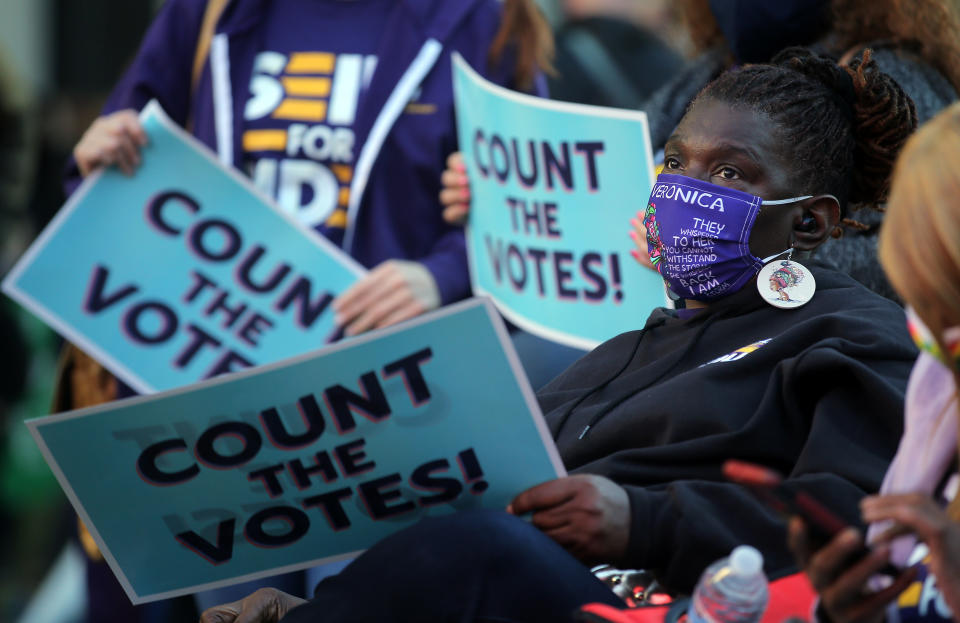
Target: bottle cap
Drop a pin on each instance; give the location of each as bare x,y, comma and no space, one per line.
746,560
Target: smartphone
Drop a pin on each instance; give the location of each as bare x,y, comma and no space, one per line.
822,523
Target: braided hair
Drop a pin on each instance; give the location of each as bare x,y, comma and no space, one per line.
845,125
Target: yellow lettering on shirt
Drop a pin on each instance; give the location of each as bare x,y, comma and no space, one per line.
311,63
264,140
343,172
306,87
418,108
337,219
301,110
911,596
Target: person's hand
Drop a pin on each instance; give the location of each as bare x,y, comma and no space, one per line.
639,236
919,515
587,515
844,596
394,291
112,139
455,191
266,605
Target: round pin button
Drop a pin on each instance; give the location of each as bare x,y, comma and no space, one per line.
786,284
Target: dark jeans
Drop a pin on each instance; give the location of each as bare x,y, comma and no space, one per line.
481,566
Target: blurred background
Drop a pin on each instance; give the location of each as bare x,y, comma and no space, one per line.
58,61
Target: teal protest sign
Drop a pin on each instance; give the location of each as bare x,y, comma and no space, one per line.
183,271
553,189
304,461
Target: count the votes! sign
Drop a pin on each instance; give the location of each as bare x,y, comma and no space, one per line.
304,461
181,272
553,189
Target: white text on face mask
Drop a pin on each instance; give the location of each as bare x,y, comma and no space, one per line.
702,199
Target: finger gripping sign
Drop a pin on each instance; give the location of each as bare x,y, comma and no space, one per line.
183,271
304,461
553,188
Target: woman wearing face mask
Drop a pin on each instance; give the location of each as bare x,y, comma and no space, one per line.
916,42
919,249
645,421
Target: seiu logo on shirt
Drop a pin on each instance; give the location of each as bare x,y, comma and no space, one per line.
738,354
299,130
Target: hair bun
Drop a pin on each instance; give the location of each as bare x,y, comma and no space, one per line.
881,114
825,71
847,92
885,117
842,127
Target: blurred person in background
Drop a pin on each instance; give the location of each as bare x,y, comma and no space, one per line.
341,111
613,52
30,501
920,250
14,185
258,91
917,42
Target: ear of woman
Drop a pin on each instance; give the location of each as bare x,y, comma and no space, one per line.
820,216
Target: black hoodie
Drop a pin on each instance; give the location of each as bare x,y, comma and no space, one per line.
815,393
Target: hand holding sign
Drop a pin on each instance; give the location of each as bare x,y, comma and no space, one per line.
266,605
455,191
639,236
394,291
113,139
587,515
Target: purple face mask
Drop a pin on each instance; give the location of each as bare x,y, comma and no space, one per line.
698,236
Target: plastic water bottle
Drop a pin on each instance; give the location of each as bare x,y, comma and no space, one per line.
731,590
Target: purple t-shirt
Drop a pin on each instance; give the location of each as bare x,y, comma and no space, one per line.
317,60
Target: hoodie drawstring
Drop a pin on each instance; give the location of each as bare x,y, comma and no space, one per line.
616,403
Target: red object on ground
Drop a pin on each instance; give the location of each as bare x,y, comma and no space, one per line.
791,597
